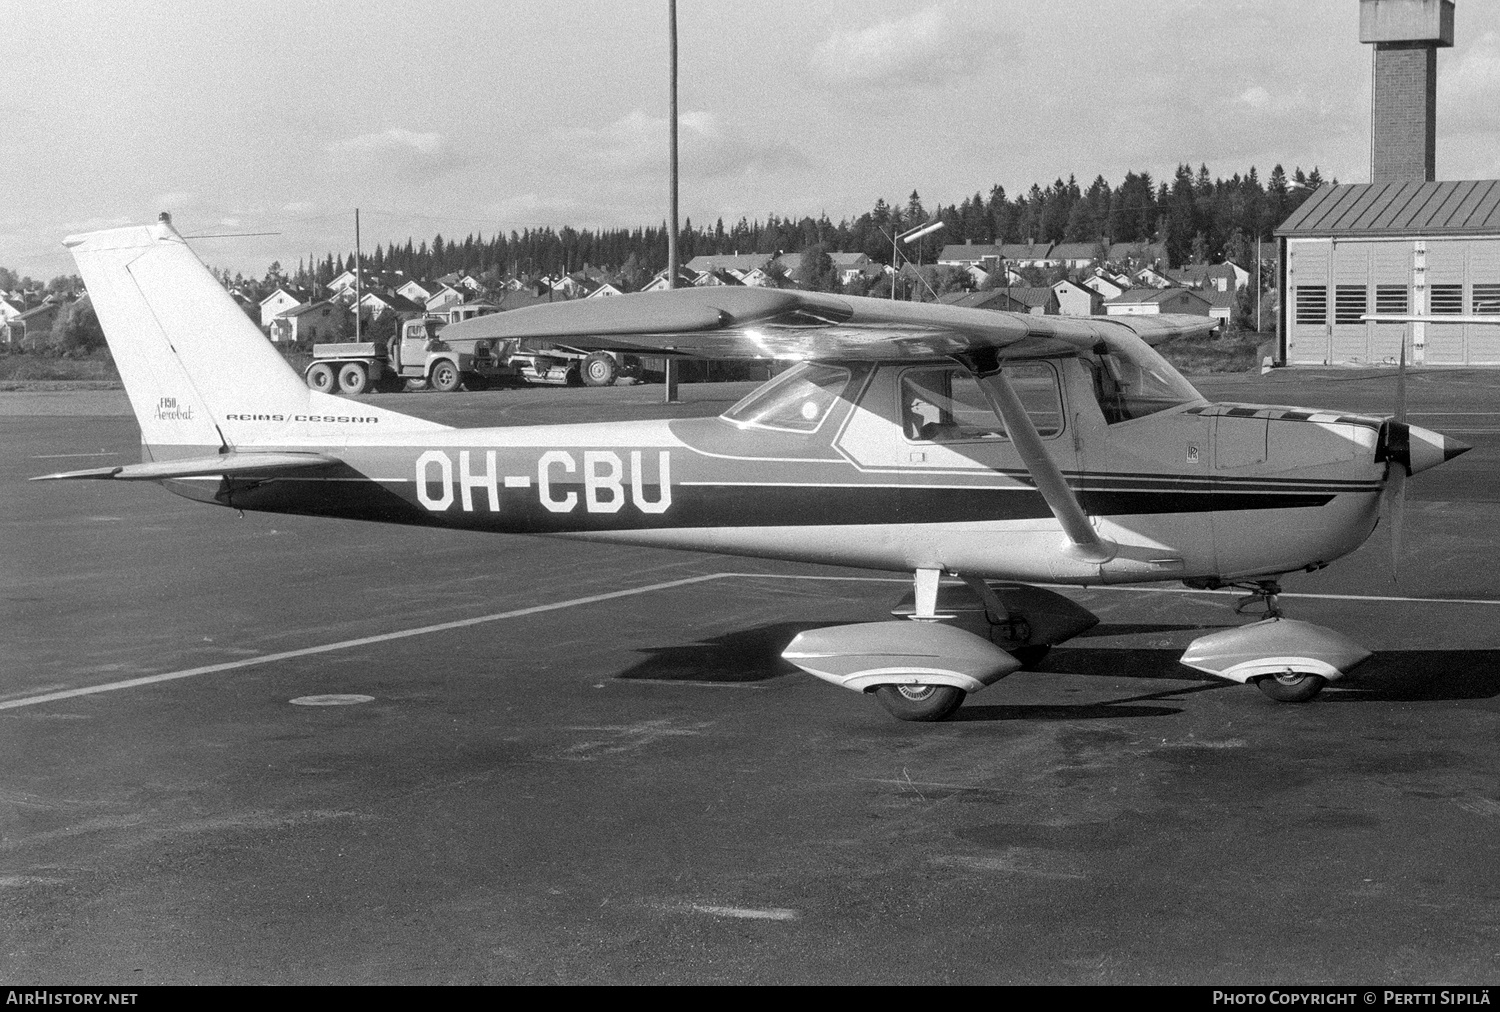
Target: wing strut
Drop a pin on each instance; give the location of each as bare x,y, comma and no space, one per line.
984,363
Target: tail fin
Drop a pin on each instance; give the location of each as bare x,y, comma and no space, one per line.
200,376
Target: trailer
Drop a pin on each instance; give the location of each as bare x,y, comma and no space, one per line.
571,366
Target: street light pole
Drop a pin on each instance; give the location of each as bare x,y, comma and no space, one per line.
910,235
670,395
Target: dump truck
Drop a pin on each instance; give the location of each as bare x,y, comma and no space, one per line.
417,352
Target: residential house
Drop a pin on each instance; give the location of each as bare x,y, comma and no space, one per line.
984,256
462,281
1032,301
603,290
849,266
685,279
9,311
1150,301
1106,285
1028,254
738,264
1074,255
1152,278
1130,253
376,305
34,322
1221,304
419,291
311,322
280,301
1073,299
1223,277
445,298
714,279
1006,276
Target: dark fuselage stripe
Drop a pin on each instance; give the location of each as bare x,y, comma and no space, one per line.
707,506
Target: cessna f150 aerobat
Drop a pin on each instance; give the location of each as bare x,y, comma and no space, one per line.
1000,448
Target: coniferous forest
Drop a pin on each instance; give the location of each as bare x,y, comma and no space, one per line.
1196,218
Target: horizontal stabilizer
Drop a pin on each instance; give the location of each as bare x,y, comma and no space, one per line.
230,465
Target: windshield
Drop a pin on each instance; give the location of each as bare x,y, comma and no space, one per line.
796,401
1131,381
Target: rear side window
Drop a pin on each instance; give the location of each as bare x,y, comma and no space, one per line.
946,404
796,401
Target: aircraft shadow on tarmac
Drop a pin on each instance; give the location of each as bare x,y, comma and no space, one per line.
754,655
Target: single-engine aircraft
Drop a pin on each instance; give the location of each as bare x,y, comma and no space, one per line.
1004,449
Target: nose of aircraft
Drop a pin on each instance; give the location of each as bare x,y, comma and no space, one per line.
1416,447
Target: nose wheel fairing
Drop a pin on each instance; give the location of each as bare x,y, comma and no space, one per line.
1286,651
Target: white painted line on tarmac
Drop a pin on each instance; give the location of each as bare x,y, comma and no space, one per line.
747,913
336,699
210,669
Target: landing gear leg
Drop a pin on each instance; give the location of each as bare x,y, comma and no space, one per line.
922,702
1263,595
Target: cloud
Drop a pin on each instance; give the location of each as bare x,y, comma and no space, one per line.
299,207
636,143
1256,97
931,47
529,208
1469,89
397,152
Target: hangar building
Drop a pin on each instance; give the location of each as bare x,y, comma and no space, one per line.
1413,247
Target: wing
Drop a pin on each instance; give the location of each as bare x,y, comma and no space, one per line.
771,323
230,465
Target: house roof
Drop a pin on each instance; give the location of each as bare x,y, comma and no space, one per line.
36,311
1470,206
722,261
1025,251
1029,297
1066,283
848,260
1074,250
300,294
309,307
399,303
1145,295
969,251
1137,251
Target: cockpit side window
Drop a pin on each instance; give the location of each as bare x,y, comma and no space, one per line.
796,401
945,404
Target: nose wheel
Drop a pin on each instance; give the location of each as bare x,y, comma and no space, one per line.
920,702
1291,686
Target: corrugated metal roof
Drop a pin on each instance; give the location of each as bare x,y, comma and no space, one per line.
1470,206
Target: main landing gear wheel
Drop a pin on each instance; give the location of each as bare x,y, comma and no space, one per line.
1291,687
320,378
920,702
599,369
445,377
353,378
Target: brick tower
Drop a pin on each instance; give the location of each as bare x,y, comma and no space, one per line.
1403,114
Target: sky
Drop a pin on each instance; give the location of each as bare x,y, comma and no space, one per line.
470,116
